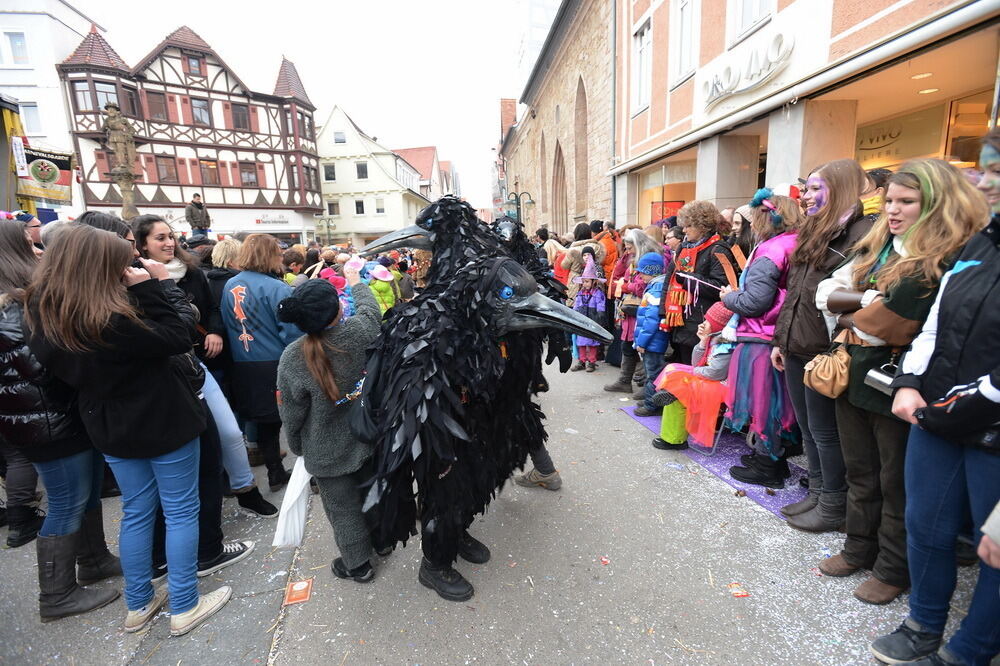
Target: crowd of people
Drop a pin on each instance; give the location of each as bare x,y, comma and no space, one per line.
847,316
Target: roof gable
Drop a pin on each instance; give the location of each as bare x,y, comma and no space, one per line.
289,84
422,159
187,39
95,51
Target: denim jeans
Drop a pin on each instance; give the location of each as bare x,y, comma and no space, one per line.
653,362
234,452
945,482
170,480
817,418
73,485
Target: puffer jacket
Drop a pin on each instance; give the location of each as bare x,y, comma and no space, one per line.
573,263
38,413
648,334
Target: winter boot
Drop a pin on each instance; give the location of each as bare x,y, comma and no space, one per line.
806,503
640,394
445,580
254,456
253,503
24,522
473,550
640,374
277,476
60,596
3,514
624,382
762,471
94,561
827,516
578,366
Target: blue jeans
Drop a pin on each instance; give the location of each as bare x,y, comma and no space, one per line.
234,451
653,362
170,480
944,482
73,484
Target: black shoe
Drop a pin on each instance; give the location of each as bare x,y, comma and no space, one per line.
3,515
446,581
908,643
384,551
251,502
159,573
363,574
232,552
667,446
804,481
785,471
473,550
642,410
762,471
25,521
277,477
747,457
965,553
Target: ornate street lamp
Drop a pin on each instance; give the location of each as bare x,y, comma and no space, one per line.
515,202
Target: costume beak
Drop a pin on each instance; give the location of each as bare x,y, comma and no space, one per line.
539,311
412,236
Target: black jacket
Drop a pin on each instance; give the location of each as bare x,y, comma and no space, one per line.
217,278
195,286
707,268
133,396
38,414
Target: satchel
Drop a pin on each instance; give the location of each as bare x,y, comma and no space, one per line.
828,373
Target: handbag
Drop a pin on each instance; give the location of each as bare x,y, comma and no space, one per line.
828,373
363,419
630,305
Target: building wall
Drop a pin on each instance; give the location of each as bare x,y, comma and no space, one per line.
551,125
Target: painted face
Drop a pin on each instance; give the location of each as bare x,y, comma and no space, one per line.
816,194
989,184
902,208
160,243
131,239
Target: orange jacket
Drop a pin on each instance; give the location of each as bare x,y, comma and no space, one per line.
609,240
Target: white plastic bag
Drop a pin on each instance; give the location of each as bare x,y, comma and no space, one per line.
294,506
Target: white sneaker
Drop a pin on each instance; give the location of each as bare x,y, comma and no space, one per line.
207,606
138,619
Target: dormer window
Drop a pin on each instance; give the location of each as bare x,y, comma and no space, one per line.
195,65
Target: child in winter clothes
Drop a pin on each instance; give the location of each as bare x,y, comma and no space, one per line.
590,302
383,286
650,340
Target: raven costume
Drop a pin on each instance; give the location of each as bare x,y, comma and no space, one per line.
448,388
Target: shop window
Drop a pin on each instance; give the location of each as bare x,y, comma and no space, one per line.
968,122
166,169
241,117
248,174
200,112
642,48
81,93
107,93
683,38
157,103
330,172
29,118
209,172
333,208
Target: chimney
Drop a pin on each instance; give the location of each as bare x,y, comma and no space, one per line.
508,115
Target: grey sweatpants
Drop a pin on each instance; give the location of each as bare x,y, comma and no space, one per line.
342,499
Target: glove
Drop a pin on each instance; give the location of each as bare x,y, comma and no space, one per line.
963,411
558,347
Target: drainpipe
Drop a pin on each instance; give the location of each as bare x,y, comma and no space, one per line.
614,105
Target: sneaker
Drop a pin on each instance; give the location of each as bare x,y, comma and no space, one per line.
535,478
907,643
207,606
136,620
363,574
159,573
232,552
254,504
591,367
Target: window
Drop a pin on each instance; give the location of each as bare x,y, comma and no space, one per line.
312,178
166,169
747,14
305,126
293,176
157,103
329,172
241,117
362,168
200,112
359,206
683,38
81,92
333,208
248,174
380,206
339,137
29,118
195,65
642,47
209,172
17,47
130,103
107,93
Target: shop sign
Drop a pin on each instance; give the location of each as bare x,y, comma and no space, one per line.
751,71
20,159
272,219
892,141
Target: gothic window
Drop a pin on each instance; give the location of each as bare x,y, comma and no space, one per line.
580,152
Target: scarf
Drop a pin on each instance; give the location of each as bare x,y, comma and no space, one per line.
176,268
677,294
872,204
198,204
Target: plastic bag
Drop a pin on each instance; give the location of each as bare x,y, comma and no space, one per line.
294,507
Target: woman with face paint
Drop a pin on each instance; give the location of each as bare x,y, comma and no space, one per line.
882,297
833,224
947,388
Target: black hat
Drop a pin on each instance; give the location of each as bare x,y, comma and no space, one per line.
311,307
196,240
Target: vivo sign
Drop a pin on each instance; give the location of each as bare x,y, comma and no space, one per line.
760,65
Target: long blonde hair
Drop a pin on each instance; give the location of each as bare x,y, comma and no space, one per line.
951,212
845,181
78,287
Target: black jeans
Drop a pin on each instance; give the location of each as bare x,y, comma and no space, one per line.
21,476
210,489
269,444
817,418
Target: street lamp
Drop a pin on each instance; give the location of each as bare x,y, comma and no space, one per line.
515,202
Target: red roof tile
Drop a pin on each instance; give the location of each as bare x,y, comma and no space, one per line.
185,37
95,50
421,159
289,84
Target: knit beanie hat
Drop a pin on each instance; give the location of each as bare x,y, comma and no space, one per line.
650,263
718,316
311,307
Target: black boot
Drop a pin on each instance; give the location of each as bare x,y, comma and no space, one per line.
443,579
762,471
60,596
747,457
25,521
94,561
252,502
473,550
277,476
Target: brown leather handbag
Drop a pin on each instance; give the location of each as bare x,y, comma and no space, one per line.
828,373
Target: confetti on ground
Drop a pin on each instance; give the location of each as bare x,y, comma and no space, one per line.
740,493
769,491
737,590
673,465
605,561
571,431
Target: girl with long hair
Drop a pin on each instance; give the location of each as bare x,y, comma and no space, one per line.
317,378
882,296
833,224
107,329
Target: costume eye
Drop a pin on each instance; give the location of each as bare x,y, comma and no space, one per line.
506,292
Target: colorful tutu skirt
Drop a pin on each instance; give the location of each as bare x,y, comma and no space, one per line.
758,396
702,401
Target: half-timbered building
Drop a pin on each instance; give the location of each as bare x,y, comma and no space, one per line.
199,129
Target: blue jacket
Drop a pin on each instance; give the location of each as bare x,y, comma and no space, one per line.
648,335
250,313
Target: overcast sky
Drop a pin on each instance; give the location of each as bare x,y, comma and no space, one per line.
412,73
